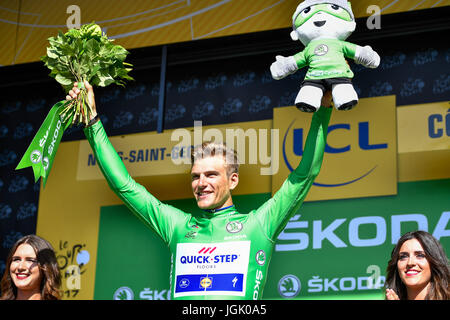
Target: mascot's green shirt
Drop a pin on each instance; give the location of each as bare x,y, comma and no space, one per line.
222,254
326,59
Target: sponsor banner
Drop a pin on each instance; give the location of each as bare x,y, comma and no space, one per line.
348,242
424,141
424,127
143,154
361,152
141,24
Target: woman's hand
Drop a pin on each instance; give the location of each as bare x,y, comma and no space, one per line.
391,295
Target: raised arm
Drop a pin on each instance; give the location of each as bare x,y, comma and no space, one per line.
276,212
158,216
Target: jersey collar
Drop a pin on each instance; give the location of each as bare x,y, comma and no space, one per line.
227,210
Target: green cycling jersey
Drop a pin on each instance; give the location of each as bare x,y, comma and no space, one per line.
216,254
325,59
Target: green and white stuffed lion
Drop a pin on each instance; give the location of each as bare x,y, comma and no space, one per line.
322,26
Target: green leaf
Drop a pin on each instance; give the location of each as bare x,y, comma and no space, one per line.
74,33
105,80
52,53
86,53
92,47
91,30
63,80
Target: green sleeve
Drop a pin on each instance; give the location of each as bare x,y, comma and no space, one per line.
160,217
276,212
349,49
300,59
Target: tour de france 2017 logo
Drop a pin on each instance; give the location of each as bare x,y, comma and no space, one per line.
289,286
123,293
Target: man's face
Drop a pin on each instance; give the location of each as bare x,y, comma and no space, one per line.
210,183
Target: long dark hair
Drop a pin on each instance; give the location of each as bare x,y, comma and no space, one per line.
437,259
48,267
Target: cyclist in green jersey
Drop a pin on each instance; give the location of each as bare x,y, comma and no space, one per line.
219,253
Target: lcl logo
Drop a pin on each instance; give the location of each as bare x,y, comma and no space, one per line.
363,144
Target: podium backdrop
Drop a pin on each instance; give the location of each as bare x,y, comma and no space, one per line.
336,248
385,169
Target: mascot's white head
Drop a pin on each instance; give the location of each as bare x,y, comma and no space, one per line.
316,19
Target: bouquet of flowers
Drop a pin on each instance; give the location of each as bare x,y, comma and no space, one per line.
78,55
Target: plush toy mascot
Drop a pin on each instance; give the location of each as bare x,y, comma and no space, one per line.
322,26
